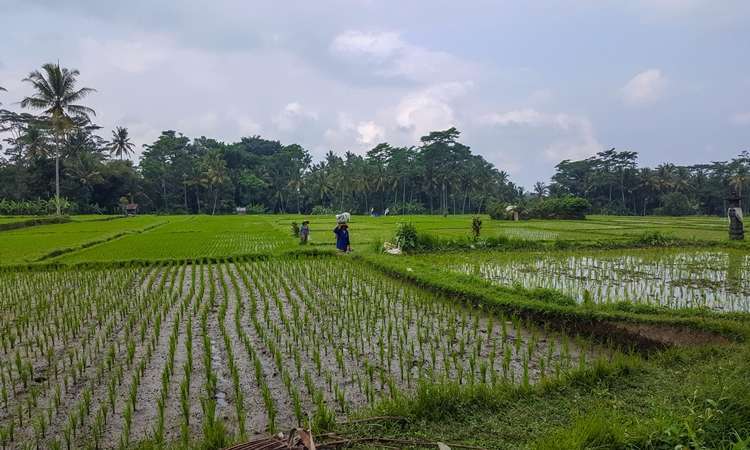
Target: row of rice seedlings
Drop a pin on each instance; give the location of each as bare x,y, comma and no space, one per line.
380,336
168,370
239,397
213,428
150,331
273,339
187,368
54,396
254,356
80,412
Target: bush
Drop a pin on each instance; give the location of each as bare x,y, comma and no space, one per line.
676,204
407,208
567,207
496,210
34,207
255,208
320,210
406,237
476,227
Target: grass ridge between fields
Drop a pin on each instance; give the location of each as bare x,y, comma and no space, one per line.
32,222
66,250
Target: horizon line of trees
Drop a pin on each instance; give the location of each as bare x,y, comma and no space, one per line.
52,150
613,183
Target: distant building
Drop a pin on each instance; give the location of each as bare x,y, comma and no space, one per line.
131,209
240,210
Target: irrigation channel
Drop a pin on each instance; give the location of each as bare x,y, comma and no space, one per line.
715,279
172,352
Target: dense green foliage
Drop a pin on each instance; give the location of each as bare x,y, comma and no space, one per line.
565,207
614,184
440,175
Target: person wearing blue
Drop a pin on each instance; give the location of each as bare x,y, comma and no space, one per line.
342,237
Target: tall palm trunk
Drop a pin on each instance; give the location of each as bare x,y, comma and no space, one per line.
57,174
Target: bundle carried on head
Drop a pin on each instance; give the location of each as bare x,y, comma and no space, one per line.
343,218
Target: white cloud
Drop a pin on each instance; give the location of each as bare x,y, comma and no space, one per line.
392,57
741,119
644,88
370,133
292,116
247,126
373,45
568,136
429,109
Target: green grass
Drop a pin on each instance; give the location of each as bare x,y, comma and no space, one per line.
697,398
191,237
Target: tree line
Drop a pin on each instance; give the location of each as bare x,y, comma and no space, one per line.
614,184
52,150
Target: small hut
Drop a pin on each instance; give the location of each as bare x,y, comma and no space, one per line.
131,209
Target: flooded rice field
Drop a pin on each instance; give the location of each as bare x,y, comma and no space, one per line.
715,279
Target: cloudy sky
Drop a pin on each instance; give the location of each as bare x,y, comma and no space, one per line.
527,82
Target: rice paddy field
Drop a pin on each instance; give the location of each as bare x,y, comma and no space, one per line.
200,332
688,278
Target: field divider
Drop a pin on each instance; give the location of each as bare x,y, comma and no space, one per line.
33,222
64,251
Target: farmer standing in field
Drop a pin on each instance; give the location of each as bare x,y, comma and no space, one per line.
304,232
342,233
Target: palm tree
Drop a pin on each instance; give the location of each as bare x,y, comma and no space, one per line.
120,144
540,189
56,94
35,142
215,171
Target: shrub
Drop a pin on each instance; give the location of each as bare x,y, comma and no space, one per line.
320,210
654,239
567,207
407,208
476,227
496,210
295,229
406,236
256,208
676,204
34,207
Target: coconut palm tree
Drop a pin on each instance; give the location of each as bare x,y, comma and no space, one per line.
120,144
540,189
215,172
35,142
57,96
